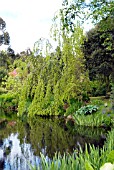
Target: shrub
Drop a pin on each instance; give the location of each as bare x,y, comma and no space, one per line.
3,73
9,100
73,106
85,110
98,88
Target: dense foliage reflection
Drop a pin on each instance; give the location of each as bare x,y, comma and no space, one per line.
22,141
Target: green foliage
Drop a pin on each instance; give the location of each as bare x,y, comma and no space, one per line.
95,10
3,73
2,90
5,62
97,102
74,104
105,111
108,120
98,88
55,79
99,56
110,157
100,42
85,97
95,120
7,97
13,83
88,166
85,110
112,94
9,101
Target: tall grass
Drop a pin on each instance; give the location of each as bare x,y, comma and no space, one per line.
94,157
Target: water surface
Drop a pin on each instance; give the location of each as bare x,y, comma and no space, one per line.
21,142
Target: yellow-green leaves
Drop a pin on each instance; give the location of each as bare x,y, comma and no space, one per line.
110,157
88,166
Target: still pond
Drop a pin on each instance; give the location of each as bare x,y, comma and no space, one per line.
22,141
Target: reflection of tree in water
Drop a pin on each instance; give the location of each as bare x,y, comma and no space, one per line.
47,136
23,142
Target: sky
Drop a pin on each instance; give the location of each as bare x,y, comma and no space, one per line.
28,20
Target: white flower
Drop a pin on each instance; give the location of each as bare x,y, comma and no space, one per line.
107,166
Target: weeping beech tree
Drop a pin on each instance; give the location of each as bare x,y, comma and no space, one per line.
55,79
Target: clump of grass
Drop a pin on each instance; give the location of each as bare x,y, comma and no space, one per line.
99,113
94,120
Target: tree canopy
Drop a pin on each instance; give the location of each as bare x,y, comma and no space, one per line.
99,50
94,10
49,85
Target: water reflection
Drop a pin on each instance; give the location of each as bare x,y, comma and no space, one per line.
22,142
19,156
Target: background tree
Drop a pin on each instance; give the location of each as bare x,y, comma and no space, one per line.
4,36
5,62
56,80
96,11
99,52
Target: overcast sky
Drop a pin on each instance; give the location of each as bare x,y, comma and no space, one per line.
28,20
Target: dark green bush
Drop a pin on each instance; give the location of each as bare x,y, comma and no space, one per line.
98,88
73,106
3,73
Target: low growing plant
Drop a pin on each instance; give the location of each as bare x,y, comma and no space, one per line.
85,110
97,102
